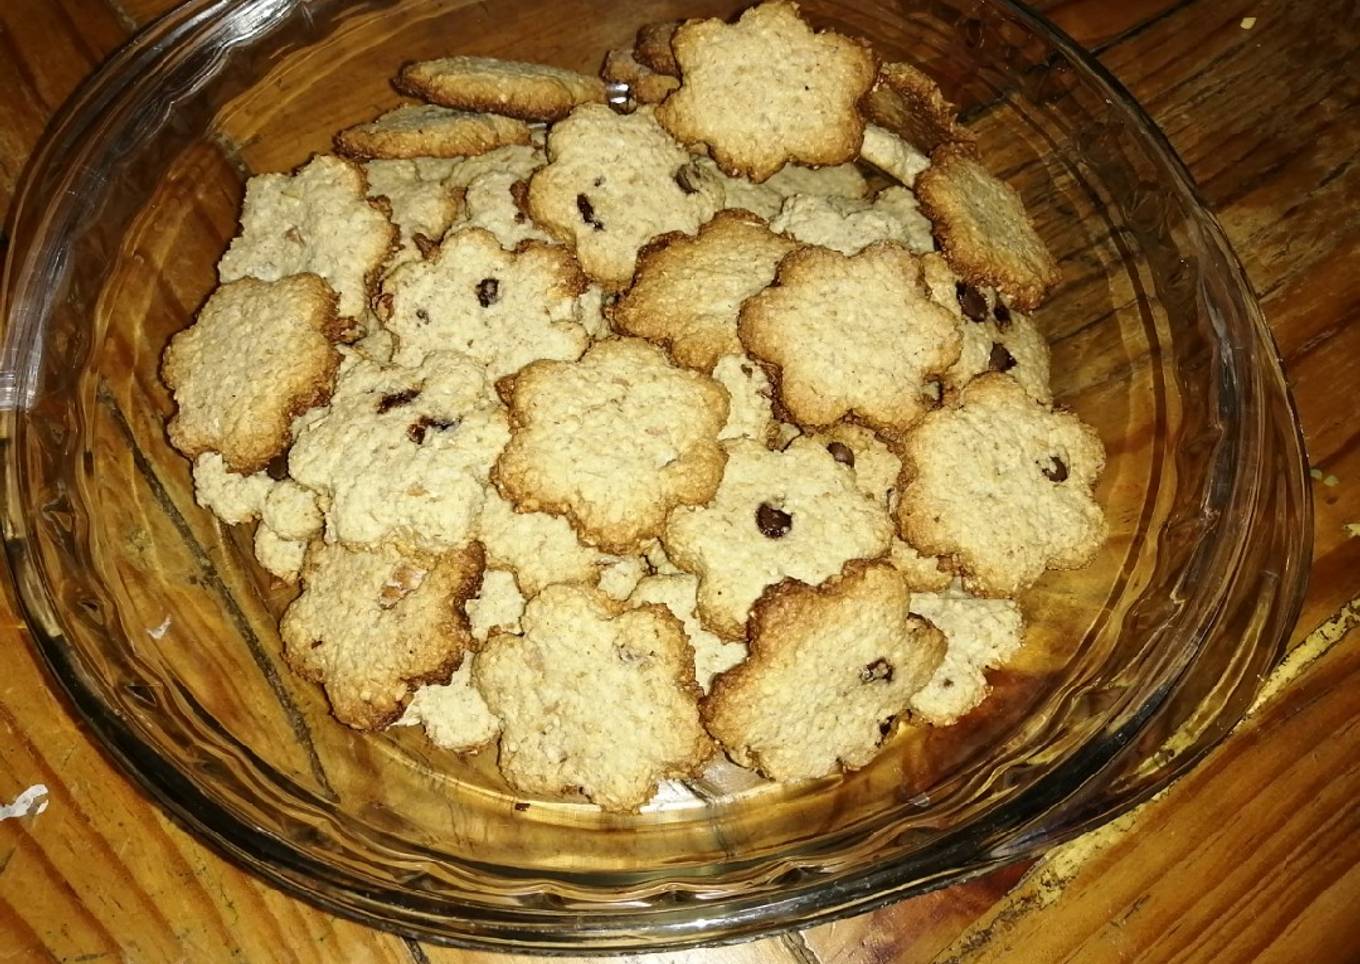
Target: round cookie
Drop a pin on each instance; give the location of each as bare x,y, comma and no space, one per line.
612,184
800,105
983,230
532,92
777,515
832,667
1002,485
687,290
560,736
318,220
980,634
258,354
612,442
502,309
373,625
850,336
403,454
425,130
993,337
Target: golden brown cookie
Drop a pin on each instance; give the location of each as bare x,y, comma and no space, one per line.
427,130
798,105
532,92
831,669
909,104
983,229
613,710
1002,485
371,626
850,336
259,353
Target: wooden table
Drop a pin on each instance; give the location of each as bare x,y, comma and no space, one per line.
1253,856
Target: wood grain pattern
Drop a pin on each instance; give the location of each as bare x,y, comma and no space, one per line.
1253,856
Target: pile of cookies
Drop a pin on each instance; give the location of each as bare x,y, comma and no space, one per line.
616,423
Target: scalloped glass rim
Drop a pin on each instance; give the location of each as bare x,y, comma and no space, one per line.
1104,778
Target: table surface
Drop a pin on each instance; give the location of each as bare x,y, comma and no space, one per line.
1255,855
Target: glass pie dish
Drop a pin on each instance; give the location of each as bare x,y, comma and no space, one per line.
161,629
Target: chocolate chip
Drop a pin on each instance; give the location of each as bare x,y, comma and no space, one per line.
1057,471
278,467
885,727
1002,314
588,212
879,669
521,806
971,301
684,179
397,399
1000,360
488,292
842,453
417,429
773,523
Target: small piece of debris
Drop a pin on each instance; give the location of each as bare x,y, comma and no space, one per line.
1248,23
160,630
31,801
1331,481
1353,530
1315,474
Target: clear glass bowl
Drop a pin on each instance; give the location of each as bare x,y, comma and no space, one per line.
159,627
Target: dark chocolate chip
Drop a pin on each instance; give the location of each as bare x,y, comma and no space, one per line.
1057,471
971,301
397,399
773,523
521,806
879,669
842,453
1002,314
278,467
1000,360
885,727
588,212
417,429
684,179
488,292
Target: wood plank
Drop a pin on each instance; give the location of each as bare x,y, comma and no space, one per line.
1200,878
103,871
46,48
